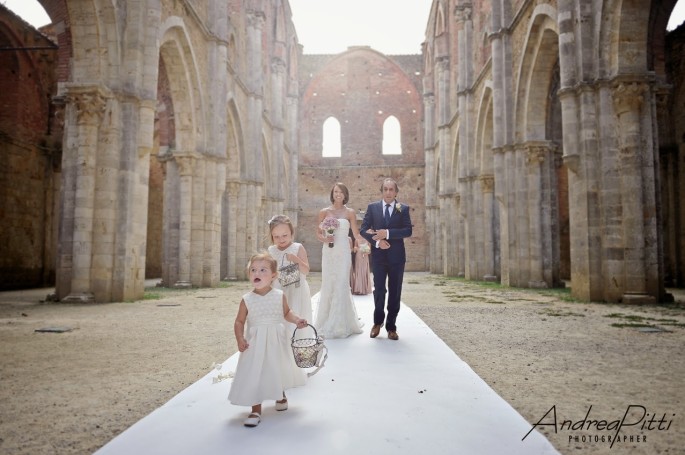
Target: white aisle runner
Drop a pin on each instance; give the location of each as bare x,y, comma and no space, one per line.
412,396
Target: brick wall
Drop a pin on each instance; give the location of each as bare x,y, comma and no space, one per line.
361,88
30,153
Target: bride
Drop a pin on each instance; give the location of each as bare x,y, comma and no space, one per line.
335,313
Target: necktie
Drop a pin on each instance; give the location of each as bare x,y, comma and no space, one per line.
387,214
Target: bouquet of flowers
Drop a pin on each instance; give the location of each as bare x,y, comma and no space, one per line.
329,225
365,248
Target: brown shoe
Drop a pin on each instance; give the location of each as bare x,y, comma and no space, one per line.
375,330
393,335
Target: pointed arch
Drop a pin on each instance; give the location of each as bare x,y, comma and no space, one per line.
97,61
440,27
541,54
184,83
484,132
235,162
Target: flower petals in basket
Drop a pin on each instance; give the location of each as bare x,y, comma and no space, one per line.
309,352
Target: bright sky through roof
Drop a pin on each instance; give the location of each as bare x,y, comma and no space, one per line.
330,26
389,26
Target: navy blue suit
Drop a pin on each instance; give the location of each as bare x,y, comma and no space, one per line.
387,264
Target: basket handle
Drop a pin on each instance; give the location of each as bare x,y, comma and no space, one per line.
316,335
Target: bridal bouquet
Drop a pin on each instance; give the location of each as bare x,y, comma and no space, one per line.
329,225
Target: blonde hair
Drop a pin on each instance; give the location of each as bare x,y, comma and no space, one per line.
280,219
263,256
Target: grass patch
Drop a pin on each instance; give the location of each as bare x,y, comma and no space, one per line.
673,324
551,312
628,317
563,294
641,321
152,296
630,324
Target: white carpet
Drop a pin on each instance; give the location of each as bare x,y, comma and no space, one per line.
412,396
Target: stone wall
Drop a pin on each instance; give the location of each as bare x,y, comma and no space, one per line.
30,154
542,152
360,88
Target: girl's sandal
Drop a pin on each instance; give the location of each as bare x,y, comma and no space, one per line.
253,419
282,405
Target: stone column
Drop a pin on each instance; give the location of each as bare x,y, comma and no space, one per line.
535,158
628,100
581,151
501,198
209,264
291,198
197,220
89,104
171,221
242,215
487,187
278,83
185,166
233,190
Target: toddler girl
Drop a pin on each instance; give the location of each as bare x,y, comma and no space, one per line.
266,366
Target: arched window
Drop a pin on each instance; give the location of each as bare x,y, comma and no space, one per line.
331,138
392,139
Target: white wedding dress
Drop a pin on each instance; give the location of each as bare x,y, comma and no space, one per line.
335,313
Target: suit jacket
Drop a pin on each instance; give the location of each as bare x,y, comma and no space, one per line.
399,226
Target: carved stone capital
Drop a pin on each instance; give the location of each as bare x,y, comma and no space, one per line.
463,12
628,96
90,103
185,165
487,183
536,154
256,19
233,188
278,66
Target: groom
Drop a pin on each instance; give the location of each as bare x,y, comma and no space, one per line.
386,224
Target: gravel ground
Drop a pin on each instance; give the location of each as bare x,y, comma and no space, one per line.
72,392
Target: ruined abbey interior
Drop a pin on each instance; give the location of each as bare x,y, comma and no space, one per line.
539,143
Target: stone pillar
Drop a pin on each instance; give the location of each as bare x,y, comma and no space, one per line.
89,104
171,222
487,187
230,220
501,196
242,248
278,84
209,222
197,220
541,225
185,166
628,100
291,198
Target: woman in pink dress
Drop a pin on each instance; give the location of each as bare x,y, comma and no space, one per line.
361,273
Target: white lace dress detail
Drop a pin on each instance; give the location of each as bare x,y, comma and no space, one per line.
267,367
299,297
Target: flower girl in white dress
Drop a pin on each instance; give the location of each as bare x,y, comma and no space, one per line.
286,252
266,366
